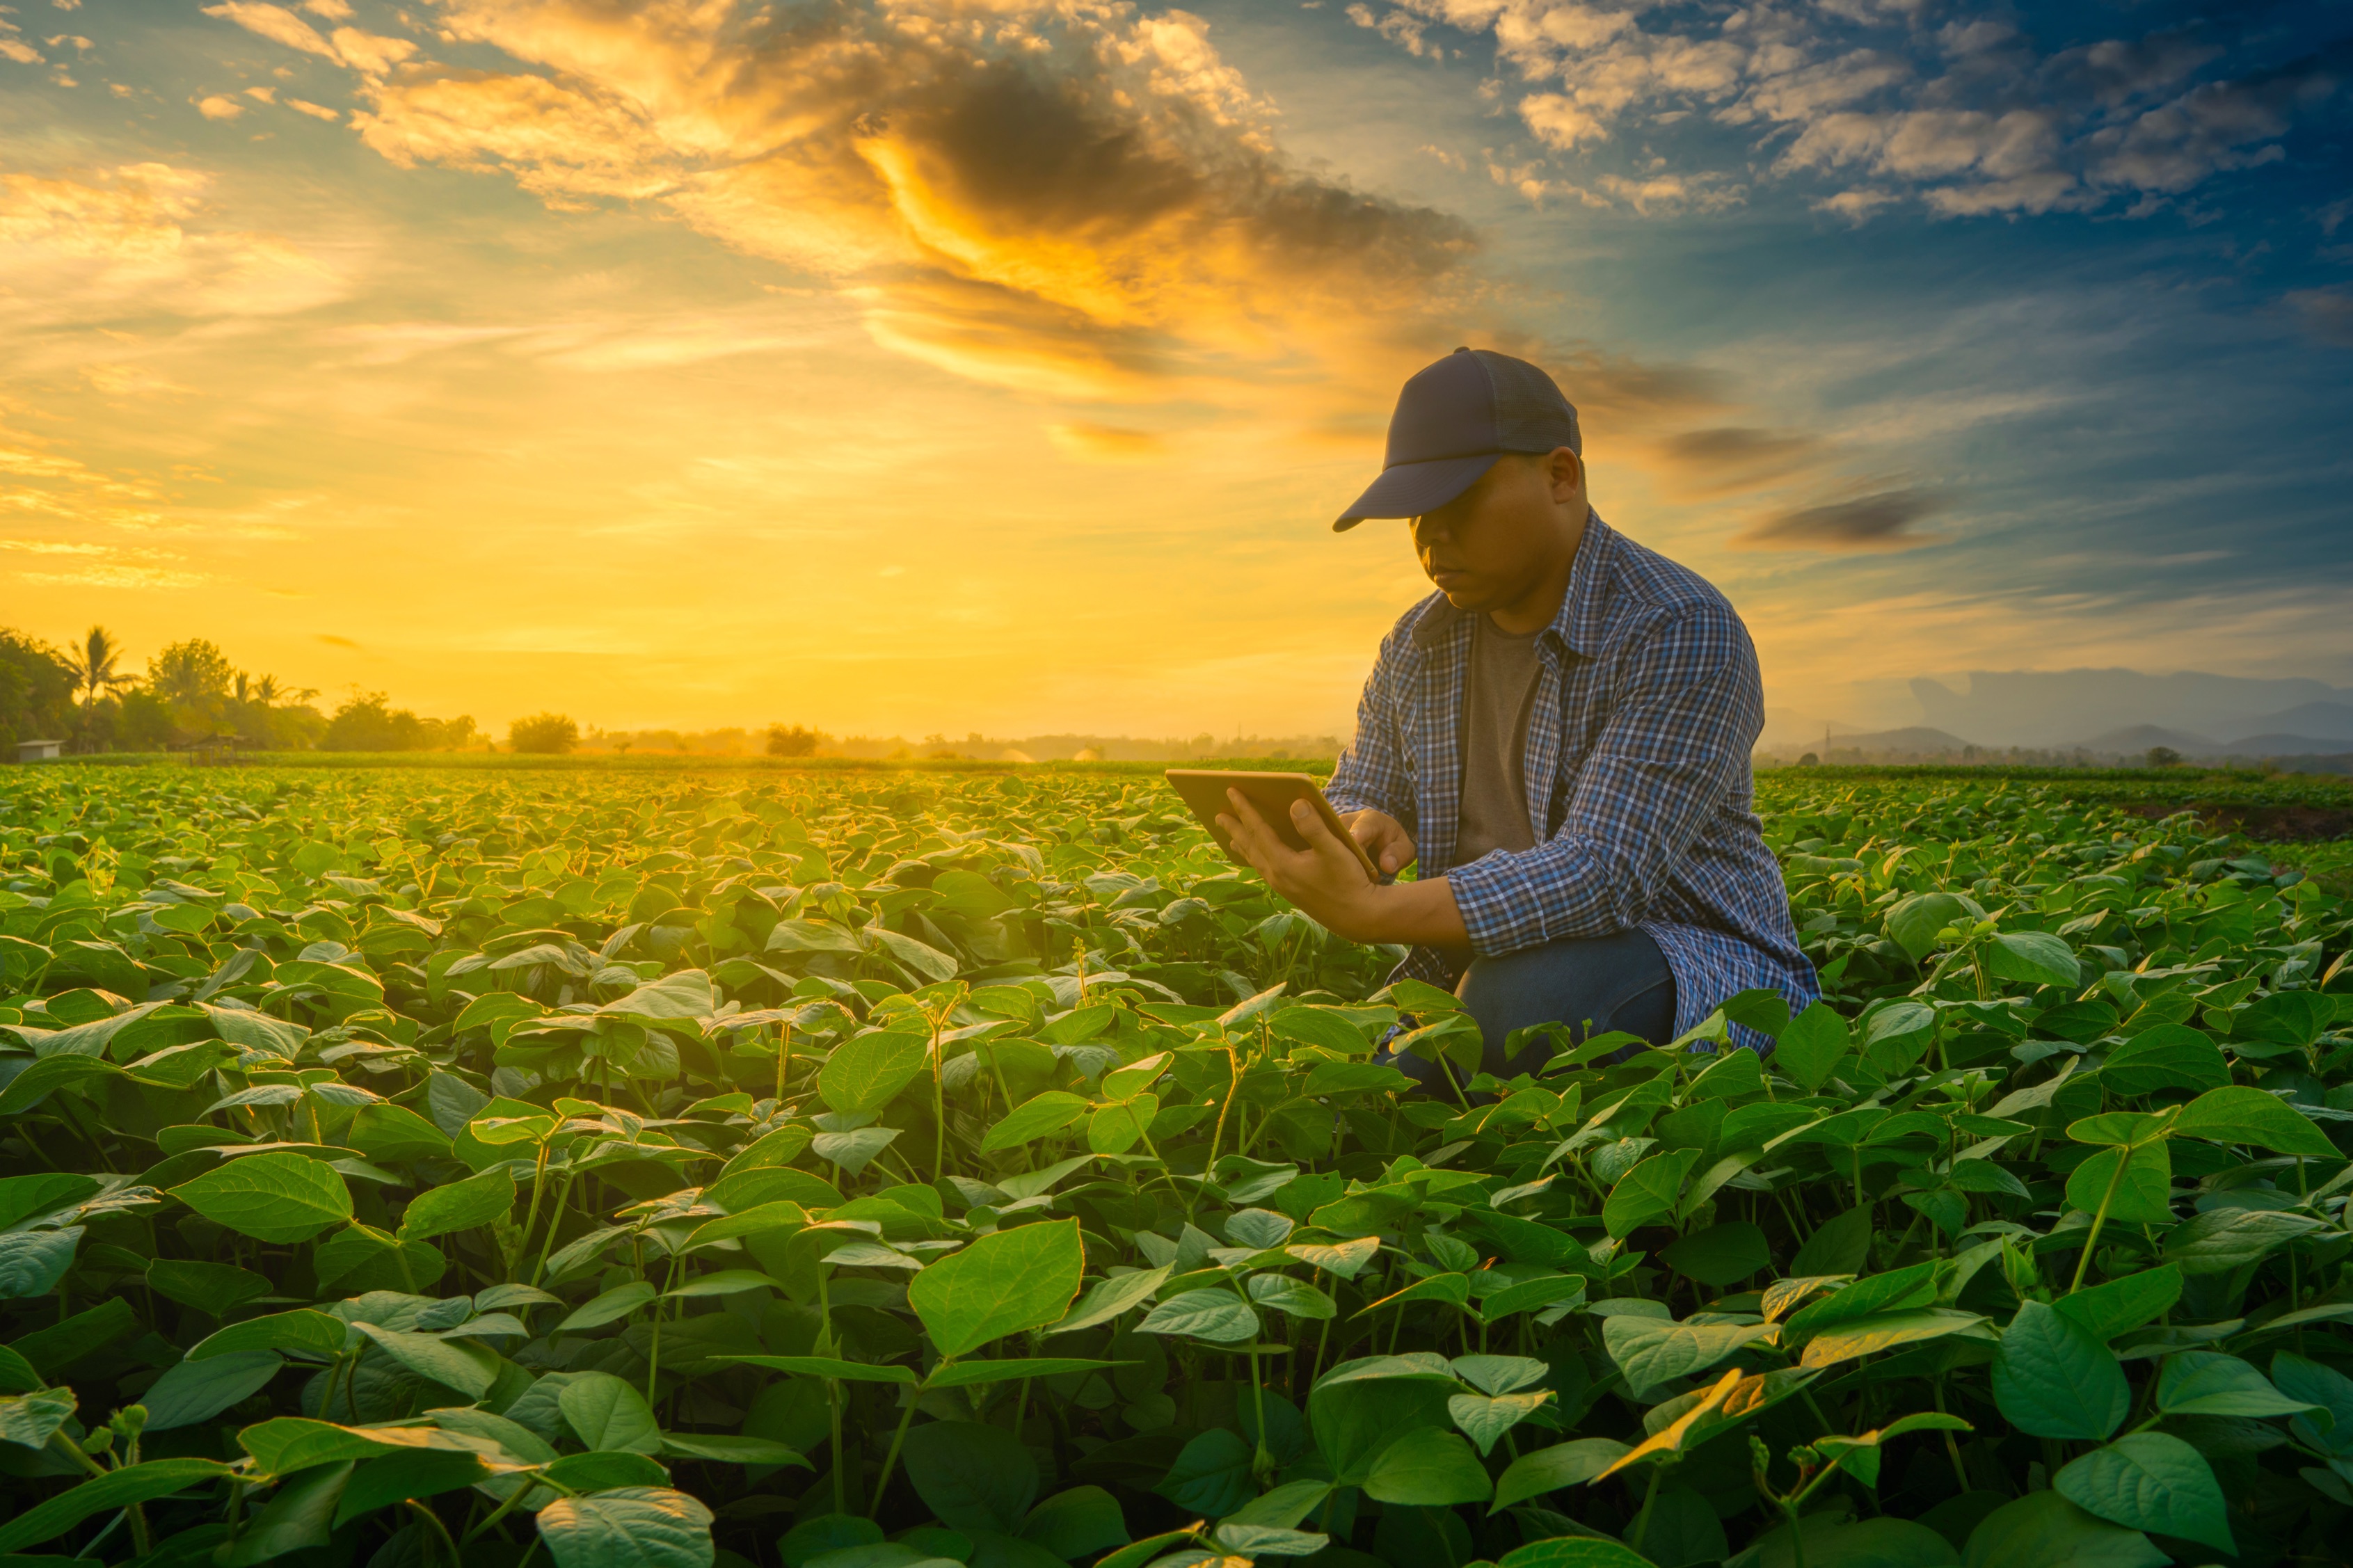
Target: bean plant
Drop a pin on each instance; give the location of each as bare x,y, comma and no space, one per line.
864,1169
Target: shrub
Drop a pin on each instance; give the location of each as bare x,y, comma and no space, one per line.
795,741
552,733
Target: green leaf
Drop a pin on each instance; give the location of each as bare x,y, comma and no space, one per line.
2321,1386
1880,1331
1426,1469
471,1369
999,1284
1035,1118
923,959
970,1476
2170,1057
2036,957
1574,1551
2144,1195
1719,1256
31,1419
302,1331
299,1514
2150,1481
2123,1304
1832,1541
192,1391
1211,1475
1293,1298
1109,1298
2044,1530
867,1073
1076,1523
2204,1383
1838,1245
1913,922
631,1526
270,1197
604,1469
461,1206
285,1444
413,1473
2223,1239
1544,1470
684,997
1647,1192
2238,1114
609,1307
215,1290
103,1494
826,1367
1354,1422
605,1413
970,1374
33,1261
1651,1351
1216,1314
2052,1378
728,1448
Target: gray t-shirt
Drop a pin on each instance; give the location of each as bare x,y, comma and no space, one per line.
1498,695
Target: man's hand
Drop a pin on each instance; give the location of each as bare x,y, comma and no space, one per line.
1326,881
1387,842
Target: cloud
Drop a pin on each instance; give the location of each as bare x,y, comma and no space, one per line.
1728,460
108,565
2327,313
331,640
80,248
1070,200
1970,117
119,577
1878,522
1108,443
366,52
216,107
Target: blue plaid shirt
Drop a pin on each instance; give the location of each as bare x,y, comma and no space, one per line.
1637,774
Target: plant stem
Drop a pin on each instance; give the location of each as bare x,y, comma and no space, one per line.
1650,1495
2101,1219
890,1460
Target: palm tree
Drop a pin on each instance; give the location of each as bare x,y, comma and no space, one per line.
94,667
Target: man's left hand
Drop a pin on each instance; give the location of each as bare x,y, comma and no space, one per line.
1324,879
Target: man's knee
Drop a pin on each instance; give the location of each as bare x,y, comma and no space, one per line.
1591,985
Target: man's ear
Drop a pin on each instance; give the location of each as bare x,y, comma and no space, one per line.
1566,470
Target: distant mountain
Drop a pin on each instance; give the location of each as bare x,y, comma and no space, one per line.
2060,707
2260,746
2331,720
2136,737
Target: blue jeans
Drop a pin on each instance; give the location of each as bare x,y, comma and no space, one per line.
1594,985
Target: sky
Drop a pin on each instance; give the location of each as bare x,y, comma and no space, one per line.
914,365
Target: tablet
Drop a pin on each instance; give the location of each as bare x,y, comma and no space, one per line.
1204,790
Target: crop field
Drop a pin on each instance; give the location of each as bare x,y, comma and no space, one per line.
861,1169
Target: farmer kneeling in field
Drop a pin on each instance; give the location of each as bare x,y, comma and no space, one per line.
1559,735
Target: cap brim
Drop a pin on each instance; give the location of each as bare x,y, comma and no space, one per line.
1409,489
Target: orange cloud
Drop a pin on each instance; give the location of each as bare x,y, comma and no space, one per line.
1064,199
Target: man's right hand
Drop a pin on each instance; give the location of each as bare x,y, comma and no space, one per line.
1387,844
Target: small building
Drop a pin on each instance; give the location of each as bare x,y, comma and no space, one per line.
37,750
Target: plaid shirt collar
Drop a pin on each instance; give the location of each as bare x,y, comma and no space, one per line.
1576,625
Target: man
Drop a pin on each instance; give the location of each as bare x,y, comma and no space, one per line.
1559,736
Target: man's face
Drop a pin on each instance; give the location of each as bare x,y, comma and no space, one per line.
1486,547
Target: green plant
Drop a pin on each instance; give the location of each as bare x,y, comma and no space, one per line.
867,1168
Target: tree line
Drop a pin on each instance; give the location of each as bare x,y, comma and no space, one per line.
90,697
190,695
